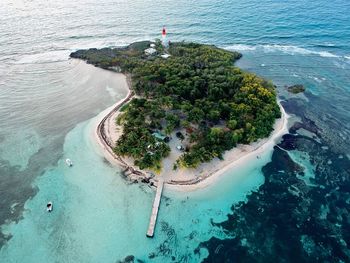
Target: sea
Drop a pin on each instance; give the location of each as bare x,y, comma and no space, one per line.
290,205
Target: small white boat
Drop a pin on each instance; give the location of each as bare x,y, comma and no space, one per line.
49,206
69,162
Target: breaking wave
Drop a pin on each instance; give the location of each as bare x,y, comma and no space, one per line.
45,57
240,47
288,49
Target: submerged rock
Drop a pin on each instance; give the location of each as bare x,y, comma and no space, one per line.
145,180
295,89
127,259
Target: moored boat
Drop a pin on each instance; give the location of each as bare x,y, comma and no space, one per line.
69,162
49,206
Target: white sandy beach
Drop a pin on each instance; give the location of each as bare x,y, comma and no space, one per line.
183,179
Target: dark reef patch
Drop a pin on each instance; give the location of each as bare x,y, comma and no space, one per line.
130,259
287,219
322,116
295,89
16,184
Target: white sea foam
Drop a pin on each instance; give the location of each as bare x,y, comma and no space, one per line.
328,45
46,57
288,49
241,47
319,80
327,54
297,50
347,57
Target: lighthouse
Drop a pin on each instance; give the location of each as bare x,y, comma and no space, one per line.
164,42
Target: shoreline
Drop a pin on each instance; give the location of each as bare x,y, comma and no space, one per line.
106,143
106,134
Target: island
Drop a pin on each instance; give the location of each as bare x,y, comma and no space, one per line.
190,112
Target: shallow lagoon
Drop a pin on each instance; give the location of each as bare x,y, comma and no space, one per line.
98,215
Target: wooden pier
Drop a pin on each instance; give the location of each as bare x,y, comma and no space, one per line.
155,208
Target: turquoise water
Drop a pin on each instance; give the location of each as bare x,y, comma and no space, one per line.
48,104
98,216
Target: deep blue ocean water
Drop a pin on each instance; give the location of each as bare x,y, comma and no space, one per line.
290,206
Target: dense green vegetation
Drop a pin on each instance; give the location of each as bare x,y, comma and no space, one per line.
198,90
137,140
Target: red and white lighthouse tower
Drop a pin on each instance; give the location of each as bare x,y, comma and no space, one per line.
164,36
163,32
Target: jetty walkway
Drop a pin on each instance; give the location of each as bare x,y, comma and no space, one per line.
155,208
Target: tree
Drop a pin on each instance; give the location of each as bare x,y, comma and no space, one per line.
214,115
232,124
197,88
195,115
